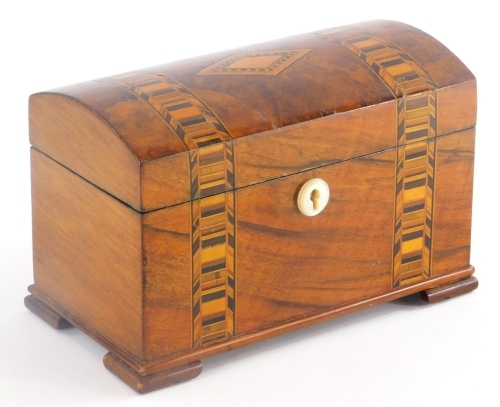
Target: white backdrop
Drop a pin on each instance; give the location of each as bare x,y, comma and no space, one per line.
404,353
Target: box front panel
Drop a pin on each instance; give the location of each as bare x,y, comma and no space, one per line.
290,265
393,219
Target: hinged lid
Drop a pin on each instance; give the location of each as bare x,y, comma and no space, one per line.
190,129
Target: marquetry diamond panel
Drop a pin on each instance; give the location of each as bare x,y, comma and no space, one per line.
255,63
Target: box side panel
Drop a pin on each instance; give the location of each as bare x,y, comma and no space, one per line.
457,107
167,284
87,253
290,265
453,201
73,135
165,182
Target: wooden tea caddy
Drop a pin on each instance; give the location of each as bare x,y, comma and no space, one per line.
192,208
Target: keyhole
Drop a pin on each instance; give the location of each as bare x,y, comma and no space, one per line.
315,199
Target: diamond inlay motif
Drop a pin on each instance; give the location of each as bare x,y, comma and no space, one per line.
255,63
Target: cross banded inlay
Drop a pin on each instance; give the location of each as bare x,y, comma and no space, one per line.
415,163
211,168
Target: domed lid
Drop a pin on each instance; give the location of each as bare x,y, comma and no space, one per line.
189,129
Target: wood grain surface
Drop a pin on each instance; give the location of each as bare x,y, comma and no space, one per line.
87,253
167,281
277,153
290,265
74,136
457,107
453,210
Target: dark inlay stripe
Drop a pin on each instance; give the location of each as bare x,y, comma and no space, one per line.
412,259
373,48
193,121
417,154
211,211
430,181
214,296
230,177
407,77
399,186
214,320
404,55
179,131
194,188
219,127
433,122
214,267
195,225
401,128
217,189
185,90
180,106
230,303
415,184
428,242
196,287
209,142
410,135
358,39
196,245
414,208
397,246
196,309
394,62
428,222
413,235
398,225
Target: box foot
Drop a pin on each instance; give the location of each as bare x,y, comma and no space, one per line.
45,312
449,290
144,384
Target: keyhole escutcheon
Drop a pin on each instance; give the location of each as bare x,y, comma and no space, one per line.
313,197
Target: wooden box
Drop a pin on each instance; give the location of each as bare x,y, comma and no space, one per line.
188,209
